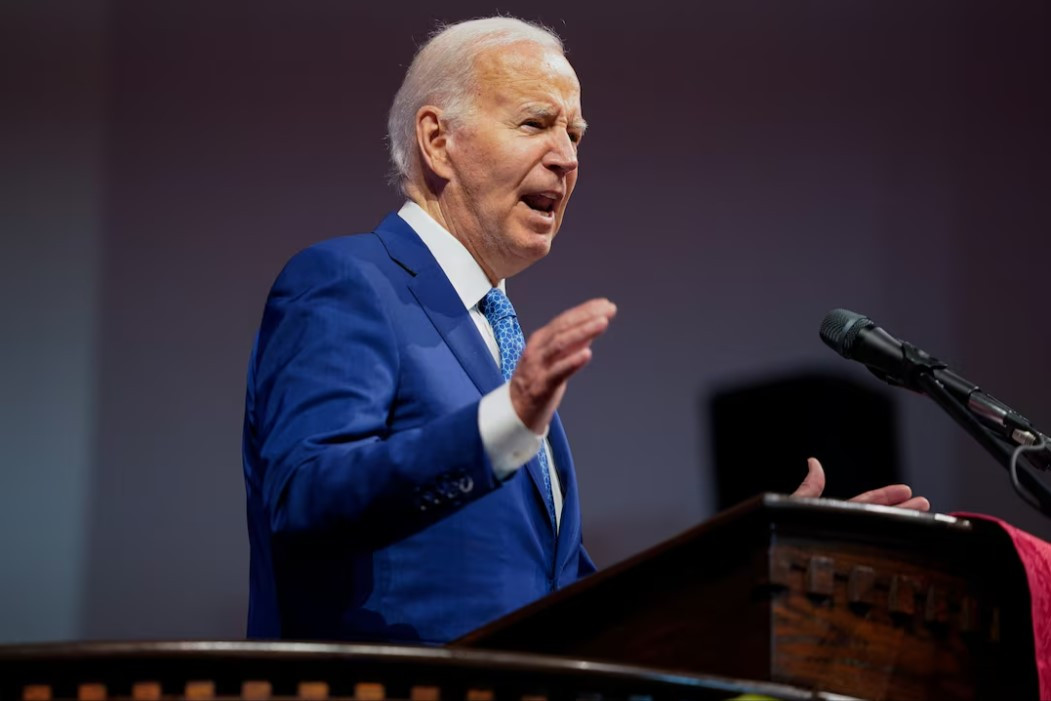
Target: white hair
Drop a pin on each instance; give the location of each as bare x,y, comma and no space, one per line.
442,74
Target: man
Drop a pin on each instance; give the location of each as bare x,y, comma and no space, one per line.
407,476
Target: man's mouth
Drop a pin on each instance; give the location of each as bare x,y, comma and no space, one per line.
542,202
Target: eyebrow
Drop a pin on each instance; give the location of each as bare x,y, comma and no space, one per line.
545,112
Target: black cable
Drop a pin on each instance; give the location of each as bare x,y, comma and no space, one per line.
1022,493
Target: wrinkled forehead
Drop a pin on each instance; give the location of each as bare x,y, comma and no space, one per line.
528,71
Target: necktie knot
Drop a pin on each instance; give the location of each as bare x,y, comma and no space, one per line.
496,306
509,339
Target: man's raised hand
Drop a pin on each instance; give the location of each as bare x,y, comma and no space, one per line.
552,355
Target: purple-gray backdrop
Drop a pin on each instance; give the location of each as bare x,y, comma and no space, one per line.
751,164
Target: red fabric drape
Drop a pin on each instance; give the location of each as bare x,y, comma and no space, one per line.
1035,555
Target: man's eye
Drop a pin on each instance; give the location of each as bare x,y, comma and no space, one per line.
533,124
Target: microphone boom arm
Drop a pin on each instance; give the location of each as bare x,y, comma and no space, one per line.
937,391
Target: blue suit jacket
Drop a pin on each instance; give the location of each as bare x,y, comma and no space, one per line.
373,512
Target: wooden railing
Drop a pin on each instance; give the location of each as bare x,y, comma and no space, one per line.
249,671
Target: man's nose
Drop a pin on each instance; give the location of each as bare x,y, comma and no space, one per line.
562,156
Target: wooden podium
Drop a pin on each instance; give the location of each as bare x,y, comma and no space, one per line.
855,599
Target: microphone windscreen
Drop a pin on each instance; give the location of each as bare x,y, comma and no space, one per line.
840,329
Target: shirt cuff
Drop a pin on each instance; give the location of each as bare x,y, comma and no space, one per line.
507,441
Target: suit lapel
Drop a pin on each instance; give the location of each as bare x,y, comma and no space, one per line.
436,295
439,301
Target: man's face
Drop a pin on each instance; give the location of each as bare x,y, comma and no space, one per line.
513,157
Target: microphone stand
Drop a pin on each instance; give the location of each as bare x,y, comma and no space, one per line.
934,389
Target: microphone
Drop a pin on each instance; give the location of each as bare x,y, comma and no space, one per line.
899,363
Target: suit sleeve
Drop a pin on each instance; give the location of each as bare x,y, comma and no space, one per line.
325,379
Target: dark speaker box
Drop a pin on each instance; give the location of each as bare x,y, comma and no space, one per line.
764,432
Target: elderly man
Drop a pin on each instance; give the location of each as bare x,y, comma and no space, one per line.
407,476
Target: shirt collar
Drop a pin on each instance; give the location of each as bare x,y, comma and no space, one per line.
463,271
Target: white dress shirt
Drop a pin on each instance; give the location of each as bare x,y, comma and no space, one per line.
507,441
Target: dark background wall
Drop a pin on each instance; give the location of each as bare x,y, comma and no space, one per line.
750,165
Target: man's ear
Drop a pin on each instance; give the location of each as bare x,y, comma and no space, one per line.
432,138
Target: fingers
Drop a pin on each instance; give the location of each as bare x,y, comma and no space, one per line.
568,334
580,314
814,482
570,339
567,366
899,495
891,495
916,504
570,331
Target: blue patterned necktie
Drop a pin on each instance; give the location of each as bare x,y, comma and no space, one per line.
509,339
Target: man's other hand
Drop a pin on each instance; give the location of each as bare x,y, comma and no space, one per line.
552,355
899,495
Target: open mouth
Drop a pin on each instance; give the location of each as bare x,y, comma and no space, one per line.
545,204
